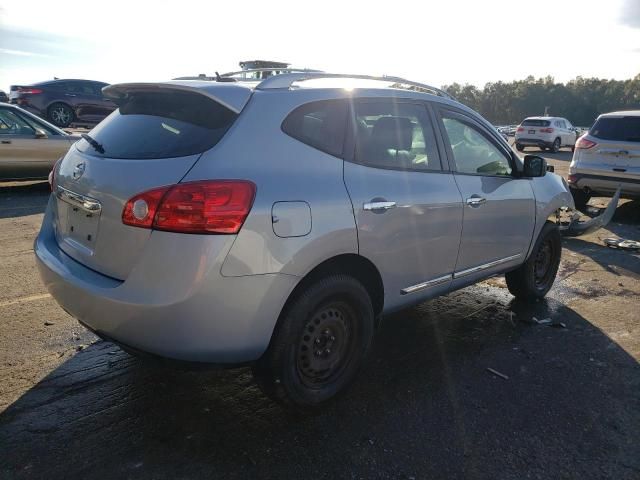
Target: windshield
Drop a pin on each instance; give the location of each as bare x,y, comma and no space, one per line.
160,125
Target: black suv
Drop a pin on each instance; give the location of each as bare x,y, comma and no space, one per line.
64,102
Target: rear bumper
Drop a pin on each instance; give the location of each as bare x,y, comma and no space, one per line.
605,185
534,142
173,305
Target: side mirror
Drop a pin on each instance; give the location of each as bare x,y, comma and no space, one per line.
40,133
534,166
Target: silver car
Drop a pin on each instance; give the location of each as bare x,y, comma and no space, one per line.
274,223
607,157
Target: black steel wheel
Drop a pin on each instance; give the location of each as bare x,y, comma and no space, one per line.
534,278
319,344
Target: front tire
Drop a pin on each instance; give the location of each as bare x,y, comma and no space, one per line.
535,277
319,344
60,114
519,147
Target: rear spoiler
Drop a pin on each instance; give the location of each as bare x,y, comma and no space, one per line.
232,96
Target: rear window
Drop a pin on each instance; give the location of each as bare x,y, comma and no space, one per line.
624,129
319,124
160,125
536,123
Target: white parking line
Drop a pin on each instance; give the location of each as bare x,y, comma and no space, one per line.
29,298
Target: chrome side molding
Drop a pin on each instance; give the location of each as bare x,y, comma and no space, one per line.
88,204
427,284
479,268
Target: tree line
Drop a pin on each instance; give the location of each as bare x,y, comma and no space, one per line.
580,100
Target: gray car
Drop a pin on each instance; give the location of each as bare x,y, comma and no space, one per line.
274,223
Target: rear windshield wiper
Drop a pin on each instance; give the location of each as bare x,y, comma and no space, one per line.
97,146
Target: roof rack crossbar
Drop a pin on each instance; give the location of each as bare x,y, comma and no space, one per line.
283,69
286,80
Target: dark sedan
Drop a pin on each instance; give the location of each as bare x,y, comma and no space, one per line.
64,102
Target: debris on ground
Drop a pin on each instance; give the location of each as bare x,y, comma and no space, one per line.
558,325
622,244
47,323
497,373
544,321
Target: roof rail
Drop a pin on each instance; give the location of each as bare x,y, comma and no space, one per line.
285,80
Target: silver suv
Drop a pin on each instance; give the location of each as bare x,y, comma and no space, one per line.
274,223
607,157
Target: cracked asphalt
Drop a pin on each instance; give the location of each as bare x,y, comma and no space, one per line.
564,401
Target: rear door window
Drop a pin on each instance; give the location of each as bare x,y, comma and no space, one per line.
319,124
536,123
622,129
161,124
395,135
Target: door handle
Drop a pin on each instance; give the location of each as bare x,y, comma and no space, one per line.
378,206
6,142
619,169
70,95
475,200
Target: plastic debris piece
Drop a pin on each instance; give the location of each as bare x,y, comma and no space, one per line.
622,244
497,373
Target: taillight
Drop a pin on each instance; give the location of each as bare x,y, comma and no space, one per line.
546,130
28,90
585,144
214,206
571,178
520,129
52,174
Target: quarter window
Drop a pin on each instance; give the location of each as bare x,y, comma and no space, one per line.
395,135
473,153
320,125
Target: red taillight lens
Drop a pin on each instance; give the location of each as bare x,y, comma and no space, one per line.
585,144
546,130
216,206
140,210
52,174
571,178
30,91
521,129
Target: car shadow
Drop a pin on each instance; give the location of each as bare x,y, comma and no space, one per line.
560,403
23,198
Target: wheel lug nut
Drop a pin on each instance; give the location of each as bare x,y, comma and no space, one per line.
332,338
317,341
327,332
327,351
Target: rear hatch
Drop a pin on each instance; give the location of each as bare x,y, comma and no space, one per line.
153,139
616,152
535,129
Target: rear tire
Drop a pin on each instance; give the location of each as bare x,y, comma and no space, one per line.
535,277
519,147
555,148
580,197
60,114
319,344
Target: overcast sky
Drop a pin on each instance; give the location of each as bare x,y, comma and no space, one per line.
467,41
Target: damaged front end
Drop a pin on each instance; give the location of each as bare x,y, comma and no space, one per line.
575,228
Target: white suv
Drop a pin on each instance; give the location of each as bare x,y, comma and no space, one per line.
547,133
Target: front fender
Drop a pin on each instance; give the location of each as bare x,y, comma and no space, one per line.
551,195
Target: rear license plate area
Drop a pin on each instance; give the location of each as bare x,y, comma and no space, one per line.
78,227
532,132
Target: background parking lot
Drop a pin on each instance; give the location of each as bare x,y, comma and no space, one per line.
563,400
